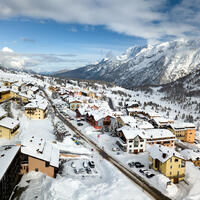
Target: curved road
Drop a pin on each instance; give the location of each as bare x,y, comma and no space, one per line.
152,191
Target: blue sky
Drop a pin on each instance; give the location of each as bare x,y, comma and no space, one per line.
52,35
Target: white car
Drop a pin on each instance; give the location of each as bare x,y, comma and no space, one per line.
115,149
85,165
73,165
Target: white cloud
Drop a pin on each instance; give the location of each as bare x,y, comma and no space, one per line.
131,17
36,61
6,49
8,58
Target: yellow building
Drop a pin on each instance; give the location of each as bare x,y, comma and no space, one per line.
92,94
168,162
184,131
4,94
8,127
8,83
24,98
36,110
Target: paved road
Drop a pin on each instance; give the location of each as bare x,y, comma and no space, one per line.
153,192
110,103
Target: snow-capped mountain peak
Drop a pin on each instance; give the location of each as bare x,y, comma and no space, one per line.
149,64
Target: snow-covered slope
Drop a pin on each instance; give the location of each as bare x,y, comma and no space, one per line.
187,86
145,65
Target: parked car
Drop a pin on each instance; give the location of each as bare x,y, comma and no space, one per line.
85,164
73,165
131,164
81,171
91,164
138,165
75,171
143,171
115,149
88,170
79,124
149,175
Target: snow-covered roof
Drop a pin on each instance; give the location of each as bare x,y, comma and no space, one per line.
39,148
189,125
134,110
71,100
7,154
159,120
4,89
159,133
24,95
129,120
182,125
2,113
100,114
144,125
189,154
18,84
163,153
131,133
152,113
9,123
131,103
41,104
34,89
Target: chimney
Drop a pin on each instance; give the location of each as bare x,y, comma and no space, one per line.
164,155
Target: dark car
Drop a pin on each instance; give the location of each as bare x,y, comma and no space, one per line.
131,164
142,171
150,175
79,124
88,170
91,164
138,165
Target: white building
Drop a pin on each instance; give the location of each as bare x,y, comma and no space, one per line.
131,140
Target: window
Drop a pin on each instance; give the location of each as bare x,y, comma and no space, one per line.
46,164
177,173
36,169
170,159
170,173
176,159
130,146
171,167
135,143
182,163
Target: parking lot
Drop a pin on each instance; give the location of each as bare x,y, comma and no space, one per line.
80,167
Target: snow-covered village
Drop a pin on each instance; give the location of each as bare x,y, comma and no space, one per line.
99,100
67,139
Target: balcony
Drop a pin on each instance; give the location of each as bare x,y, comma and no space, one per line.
122,143
178,176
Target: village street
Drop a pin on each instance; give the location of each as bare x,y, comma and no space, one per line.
152,191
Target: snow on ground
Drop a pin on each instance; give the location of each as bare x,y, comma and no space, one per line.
108,184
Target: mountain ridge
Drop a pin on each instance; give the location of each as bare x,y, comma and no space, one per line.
145,65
